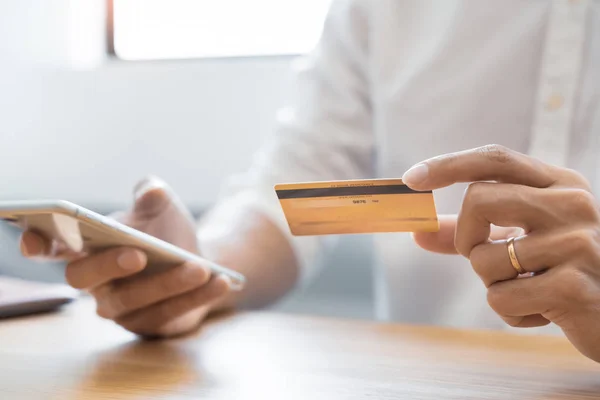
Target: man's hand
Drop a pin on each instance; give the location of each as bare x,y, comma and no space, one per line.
168,303
559,246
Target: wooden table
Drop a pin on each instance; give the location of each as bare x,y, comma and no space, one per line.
75,355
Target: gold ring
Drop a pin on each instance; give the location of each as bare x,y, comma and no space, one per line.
512,254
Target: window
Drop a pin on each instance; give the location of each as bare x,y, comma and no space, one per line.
175,29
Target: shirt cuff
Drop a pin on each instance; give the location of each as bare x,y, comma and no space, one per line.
305,248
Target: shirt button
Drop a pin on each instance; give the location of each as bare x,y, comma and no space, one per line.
554,102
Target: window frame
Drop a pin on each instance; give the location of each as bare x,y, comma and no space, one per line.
112,53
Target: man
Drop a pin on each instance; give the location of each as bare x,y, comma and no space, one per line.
393,83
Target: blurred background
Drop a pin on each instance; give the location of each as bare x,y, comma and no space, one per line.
96,94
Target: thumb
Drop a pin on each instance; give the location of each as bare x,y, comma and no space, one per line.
151,197
442,241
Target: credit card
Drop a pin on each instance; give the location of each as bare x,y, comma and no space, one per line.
356,206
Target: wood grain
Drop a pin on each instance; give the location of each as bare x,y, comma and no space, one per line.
75,355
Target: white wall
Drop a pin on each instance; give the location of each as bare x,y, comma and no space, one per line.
88,135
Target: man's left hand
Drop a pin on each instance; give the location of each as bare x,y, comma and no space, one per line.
558,244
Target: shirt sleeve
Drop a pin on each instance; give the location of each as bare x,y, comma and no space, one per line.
325,133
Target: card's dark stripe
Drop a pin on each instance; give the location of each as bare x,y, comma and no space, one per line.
345,191
365,219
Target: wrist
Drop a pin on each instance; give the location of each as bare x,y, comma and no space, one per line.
229,300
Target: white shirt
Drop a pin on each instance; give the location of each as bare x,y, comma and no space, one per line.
394,82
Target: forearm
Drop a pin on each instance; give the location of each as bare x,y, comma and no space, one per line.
242,238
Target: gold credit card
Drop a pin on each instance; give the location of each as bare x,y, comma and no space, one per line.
356,206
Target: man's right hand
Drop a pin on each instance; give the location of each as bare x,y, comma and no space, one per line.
165,304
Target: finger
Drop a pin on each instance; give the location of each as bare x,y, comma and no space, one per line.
36,246
508,205
443,240
510,309
152,197
119,298
525,296
516,205
103,267
149,320
487,163
528,321
536,252
554,294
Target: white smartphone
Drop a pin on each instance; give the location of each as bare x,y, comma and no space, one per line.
82,230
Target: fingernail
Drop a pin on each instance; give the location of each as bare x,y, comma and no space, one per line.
146,185
518,232
31,245
417,174
131,260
